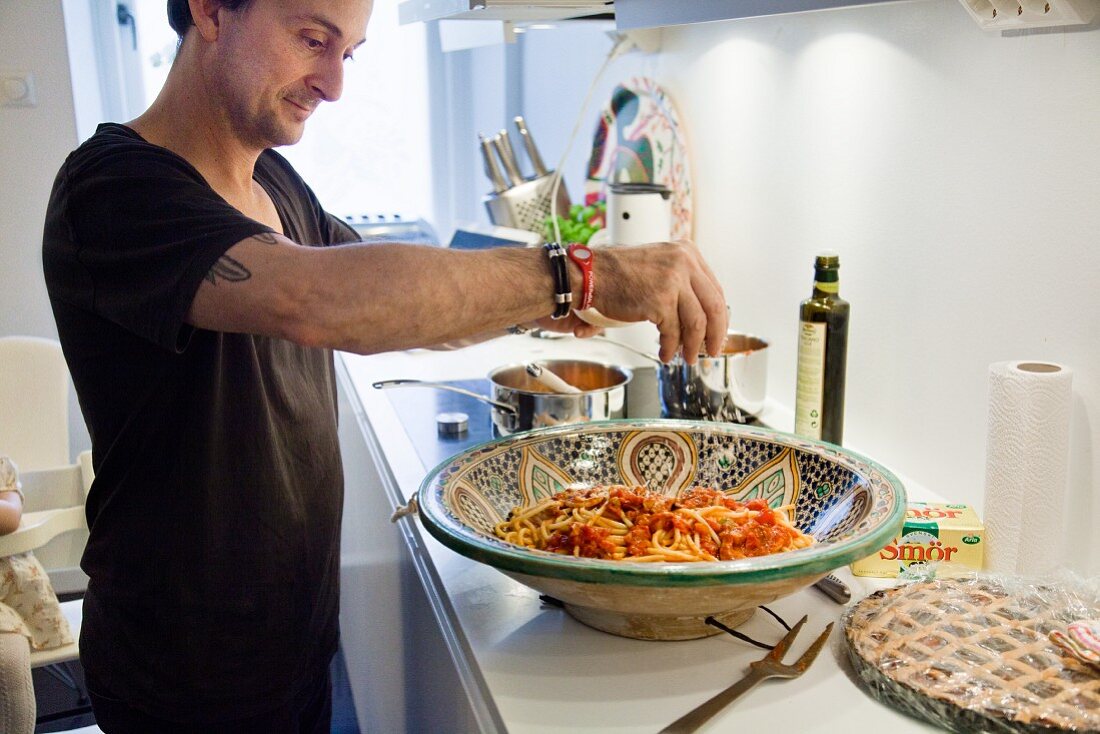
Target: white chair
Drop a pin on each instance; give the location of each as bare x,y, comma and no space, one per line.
34,402
34,432
67,487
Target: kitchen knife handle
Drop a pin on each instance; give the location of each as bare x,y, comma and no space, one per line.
508,157
491,168
529,144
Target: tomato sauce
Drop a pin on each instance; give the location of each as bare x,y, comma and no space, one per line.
756,531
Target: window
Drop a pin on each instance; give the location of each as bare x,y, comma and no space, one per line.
368,154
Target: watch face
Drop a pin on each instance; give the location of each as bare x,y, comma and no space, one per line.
9,475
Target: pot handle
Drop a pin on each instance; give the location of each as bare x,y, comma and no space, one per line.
629,348
383,384
413,508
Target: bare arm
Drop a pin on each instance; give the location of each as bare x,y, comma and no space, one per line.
11,510
374,298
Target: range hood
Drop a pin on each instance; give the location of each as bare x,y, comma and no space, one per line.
413,11
628,14
631,14
636,14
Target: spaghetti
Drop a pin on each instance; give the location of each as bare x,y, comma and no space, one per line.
624,523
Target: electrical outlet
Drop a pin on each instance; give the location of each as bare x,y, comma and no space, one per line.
17,89
1009,14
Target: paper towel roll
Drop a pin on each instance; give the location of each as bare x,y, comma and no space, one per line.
1026,466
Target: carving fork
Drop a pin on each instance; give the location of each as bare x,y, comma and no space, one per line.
770,666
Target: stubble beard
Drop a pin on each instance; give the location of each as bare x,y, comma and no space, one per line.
264,128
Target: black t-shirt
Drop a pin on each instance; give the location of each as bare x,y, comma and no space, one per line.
215,512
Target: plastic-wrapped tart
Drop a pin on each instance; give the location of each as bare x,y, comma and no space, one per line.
973,654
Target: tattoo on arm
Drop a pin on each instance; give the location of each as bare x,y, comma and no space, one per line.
266,237
226,268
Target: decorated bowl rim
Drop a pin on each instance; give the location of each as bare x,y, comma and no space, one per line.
817,559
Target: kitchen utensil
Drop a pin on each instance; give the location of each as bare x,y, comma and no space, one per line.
769,666
835,589
850,505
520,402
529,144
519,203
638,213
550,380
727,387
527,205
507,157
491,168
731,386
628,347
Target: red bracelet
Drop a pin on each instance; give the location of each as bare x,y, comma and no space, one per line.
582,256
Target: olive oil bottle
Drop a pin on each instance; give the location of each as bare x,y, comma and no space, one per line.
822,355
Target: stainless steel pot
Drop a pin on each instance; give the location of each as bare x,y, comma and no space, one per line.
729,387
520,402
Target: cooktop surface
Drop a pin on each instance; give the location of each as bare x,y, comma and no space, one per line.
417,408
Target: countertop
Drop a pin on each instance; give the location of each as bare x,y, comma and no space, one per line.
529,667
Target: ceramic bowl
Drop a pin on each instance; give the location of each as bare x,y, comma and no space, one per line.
849,504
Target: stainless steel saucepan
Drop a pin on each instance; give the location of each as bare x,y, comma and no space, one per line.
520,402
729,387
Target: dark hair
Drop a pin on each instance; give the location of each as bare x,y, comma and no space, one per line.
179,14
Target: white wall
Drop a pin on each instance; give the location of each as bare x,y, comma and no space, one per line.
956,171
33,143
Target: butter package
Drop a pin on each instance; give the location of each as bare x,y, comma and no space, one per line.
949,536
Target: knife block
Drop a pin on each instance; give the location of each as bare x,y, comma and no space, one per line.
527,205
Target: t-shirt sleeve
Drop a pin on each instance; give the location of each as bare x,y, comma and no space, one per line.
135,230
337,231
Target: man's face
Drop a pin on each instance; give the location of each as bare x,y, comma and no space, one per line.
276,60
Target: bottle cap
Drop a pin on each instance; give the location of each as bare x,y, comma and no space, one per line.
827,259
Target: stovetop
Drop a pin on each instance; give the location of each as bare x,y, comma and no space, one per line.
417,409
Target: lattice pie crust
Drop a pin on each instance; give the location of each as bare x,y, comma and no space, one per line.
973,655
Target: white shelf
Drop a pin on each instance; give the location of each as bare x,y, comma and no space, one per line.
415,11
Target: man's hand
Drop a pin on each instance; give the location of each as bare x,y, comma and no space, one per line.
669,284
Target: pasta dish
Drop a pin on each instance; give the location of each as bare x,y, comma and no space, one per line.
624,523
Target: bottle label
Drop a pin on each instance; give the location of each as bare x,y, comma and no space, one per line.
810,392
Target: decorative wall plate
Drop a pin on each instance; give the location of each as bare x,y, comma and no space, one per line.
639,139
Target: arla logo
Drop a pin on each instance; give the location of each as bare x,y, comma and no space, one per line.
917,548
971,539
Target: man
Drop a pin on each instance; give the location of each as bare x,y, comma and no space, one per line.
197,302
